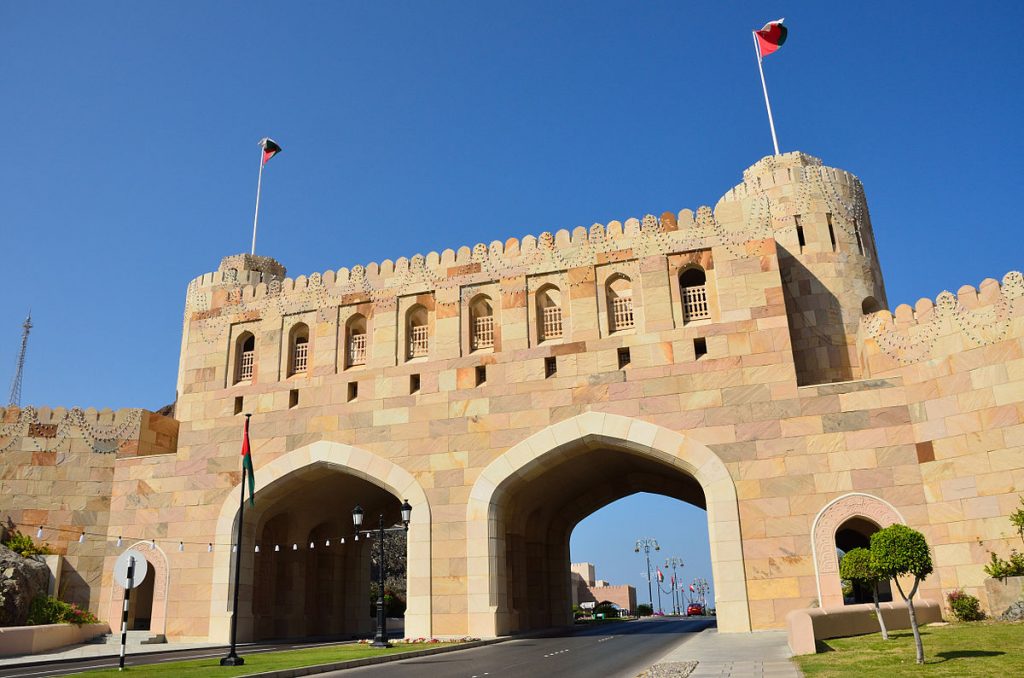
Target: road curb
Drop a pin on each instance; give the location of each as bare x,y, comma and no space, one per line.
369,661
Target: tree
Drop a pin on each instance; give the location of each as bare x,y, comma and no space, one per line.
1017,519
856,567
901,551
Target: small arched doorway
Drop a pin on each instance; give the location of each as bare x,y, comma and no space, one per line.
140,607
855,533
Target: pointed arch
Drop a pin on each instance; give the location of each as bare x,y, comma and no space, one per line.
347,459
823,537
156,559
595,430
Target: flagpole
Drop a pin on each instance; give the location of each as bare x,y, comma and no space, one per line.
259,183
233,659
764,86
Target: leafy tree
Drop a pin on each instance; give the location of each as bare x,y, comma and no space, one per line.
1017,519
901,551
856,566
644,610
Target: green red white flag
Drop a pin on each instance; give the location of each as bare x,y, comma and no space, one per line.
270,148
771,37
661,577
247,468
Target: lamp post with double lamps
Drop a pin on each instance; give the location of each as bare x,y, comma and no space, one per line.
381,639
674,562
648,543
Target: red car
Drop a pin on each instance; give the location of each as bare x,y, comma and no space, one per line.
694,609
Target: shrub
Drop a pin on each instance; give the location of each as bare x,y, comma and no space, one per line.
50,610
644,610
1000,569
23,544
965,607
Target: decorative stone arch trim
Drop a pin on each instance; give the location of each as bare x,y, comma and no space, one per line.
361,464
823,537
601,429
156,559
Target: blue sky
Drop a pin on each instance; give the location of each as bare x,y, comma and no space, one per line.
130,156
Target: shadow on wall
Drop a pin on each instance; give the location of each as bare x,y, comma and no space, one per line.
820,350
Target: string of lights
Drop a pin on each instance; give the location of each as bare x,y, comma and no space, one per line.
180,544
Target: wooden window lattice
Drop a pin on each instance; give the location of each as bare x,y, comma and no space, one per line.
300,358
695,303
551,322
245,365
357,349
418,341
483,332
622,313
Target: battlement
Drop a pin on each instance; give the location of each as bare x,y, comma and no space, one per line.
950,324
128,431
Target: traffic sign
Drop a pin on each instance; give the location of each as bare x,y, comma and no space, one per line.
121,568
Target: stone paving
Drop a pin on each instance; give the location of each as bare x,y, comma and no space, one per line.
711,655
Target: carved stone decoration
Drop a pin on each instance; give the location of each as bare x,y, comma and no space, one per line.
823,537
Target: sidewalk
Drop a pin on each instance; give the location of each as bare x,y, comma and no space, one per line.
111,647
764,654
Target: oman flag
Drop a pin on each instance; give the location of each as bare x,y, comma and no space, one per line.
270,148
771,37
661,577
691,588
247,468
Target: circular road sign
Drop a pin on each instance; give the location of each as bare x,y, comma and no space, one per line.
121,568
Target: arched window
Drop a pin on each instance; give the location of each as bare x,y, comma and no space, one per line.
245,357
549,313
355,340
693,291
619,290
298,349
417,332
481,323
870,305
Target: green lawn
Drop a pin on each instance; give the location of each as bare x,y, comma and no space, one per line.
260,661
962,650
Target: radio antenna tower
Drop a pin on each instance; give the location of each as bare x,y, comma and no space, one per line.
26,327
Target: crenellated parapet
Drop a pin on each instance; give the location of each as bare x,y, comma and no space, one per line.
126,432
949,325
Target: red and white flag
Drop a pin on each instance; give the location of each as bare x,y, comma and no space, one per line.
771,37
691,588
661,577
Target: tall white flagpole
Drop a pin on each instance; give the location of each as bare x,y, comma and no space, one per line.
259,183
764,86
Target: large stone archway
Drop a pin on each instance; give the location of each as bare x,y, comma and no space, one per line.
349,460
823,538
598,430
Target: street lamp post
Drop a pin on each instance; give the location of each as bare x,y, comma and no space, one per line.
647,543
381,639
674,562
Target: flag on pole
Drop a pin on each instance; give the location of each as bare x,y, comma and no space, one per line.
247,464
691,588
270,148
673,581
771,37
661,577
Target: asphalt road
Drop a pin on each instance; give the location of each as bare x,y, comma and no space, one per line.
615,650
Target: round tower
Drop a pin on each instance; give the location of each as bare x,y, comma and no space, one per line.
827,258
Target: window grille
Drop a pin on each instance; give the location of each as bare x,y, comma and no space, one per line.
483,332
418,341
551,323
245,366
357,349
622,313
695,302
300,358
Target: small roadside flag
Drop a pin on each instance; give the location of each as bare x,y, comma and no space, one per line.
771,37
691,588
270,148
247,463
661,577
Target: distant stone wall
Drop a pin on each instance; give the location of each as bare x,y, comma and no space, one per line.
57,472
